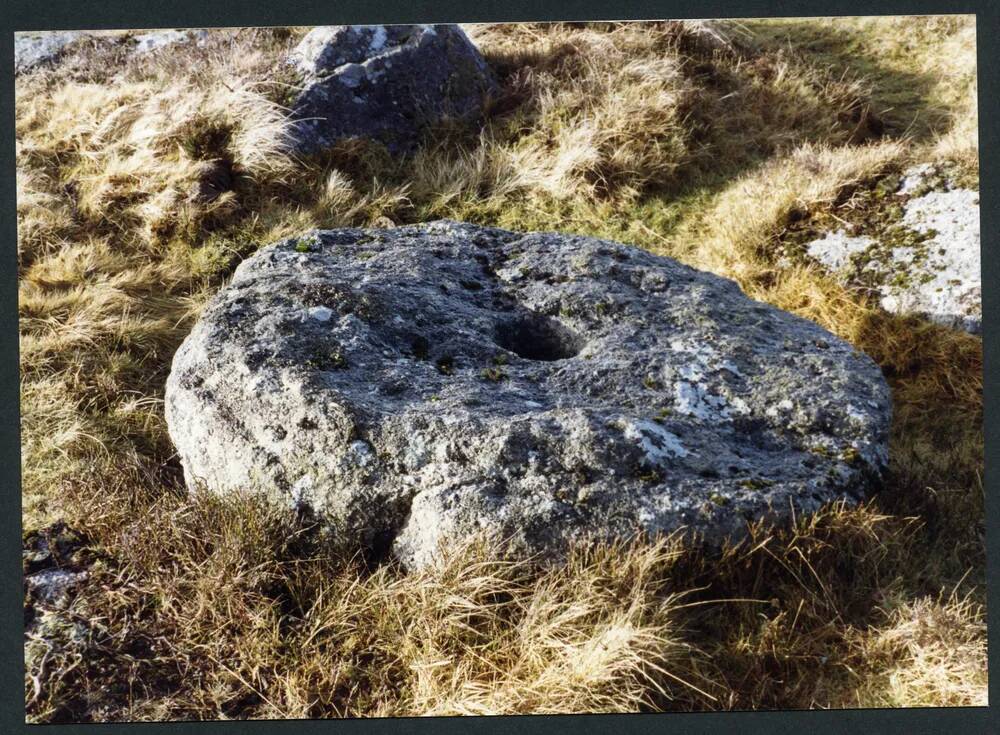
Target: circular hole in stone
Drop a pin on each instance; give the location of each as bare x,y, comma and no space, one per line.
536,337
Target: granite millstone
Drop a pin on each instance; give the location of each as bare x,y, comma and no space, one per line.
416,386
386,83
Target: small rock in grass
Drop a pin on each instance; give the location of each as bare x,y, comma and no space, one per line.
56,563
154,40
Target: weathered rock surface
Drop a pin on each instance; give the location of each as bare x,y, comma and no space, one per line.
33,49
385,82
414,386
155,40
41,48
56,563
928,263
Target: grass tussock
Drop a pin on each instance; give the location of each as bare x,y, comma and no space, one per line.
153,162
929,652
607,114
143,181
246,601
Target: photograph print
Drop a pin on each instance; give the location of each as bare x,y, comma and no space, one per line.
500,369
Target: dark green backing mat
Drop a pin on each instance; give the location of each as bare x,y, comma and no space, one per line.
109,14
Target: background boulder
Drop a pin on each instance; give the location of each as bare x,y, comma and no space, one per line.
33,49
385,82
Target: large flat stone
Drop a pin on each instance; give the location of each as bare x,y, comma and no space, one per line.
412,387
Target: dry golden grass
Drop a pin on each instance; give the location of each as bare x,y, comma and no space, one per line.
135,152
142,182
246,597
930,652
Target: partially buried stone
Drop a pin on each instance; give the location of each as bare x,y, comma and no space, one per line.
418,386
34,49
155,40
57,564
928,263
386,83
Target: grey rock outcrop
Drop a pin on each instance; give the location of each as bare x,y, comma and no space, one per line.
927,263
56,563
150,41
33,49
384,82
42,48
414,386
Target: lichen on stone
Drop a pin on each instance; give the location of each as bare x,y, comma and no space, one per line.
421,411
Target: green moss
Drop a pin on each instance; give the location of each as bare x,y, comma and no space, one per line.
887,185
850,455
332,360
306,244
494,374
662,415
650,475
